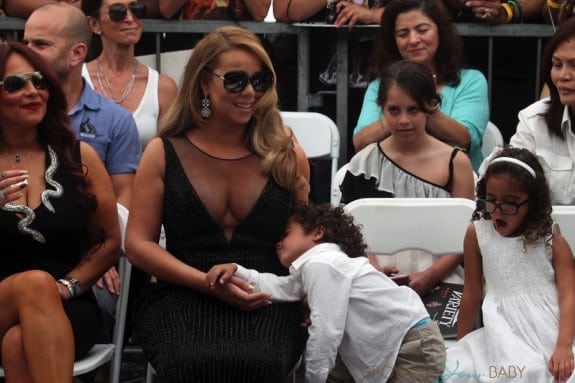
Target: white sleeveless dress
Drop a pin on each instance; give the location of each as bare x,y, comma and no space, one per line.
147,113
520,315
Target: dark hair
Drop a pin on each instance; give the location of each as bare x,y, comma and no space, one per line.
92,8
54,130
554,114
449,58
265,132
338,225
415,79
538,222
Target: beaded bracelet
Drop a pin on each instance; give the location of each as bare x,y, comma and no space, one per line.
553,4
508,11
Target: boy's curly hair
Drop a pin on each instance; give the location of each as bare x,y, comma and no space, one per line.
338,226
538,222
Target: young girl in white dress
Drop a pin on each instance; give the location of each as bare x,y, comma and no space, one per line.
527,273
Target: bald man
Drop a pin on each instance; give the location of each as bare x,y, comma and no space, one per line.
61,35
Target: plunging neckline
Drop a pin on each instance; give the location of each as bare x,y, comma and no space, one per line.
205,210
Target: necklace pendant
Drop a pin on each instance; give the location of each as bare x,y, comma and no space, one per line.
17,158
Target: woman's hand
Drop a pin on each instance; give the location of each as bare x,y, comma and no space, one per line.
237,292
561,363
110,280
351,14
11,184
489,11
421,282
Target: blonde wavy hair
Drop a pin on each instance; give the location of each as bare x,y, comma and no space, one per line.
265,135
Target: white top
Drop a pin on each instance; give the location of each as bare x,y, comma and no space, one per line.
520,314
355,310
555,155
147,113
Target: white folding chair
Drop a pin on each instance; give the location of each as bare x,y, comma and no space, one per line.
317,134
565,216
335,184
491,138
103,353
435,225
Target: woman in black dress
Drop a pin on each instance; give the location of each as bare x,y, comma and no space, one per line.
58,226
222,178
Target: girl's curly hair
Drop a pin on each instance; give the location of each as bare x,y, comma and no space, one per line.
338,226
538,222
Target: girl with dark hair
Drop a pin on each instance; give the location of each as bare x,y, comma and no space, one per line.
422,31
58,214
520,273
410,163
546,126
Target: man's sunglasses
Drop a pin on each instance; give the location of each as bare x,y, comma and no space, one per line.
118,12
235,82
15,82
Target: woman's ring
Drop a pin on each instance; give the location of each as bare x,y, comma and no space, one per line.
2,195
486,13
2,175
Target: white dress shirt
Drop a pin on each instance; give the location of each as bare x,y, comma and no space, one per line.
355,310
556,155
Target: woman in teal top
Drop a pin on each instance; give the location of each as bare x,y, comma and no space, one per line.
422,31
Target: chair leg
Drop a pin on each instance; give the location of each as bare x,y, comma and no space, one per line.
150,374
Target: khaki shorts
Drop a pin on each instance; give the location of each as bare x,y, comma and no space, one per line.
421,358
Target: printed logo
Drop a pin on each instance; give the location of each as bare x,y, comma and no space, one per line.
87,129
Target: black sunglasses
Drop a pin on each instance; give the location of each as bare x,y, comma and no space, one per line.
118,12
235,82
14,82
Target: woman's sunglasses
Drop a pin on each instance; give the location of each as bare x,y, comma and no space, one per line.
235,82
118,12
15,82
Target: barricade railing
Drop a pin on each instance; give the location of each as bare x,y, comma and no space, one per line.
303,30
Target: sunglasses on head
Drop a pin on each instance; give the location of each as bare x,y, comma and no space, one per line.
14,82
118,12
235,82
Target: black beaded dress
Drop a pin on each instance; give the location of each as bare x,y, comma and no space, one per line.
192,337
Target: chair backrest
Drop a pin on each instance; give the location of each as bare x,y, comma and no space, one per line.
435,225
491,138
335,198
565,217
317,134
171,63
